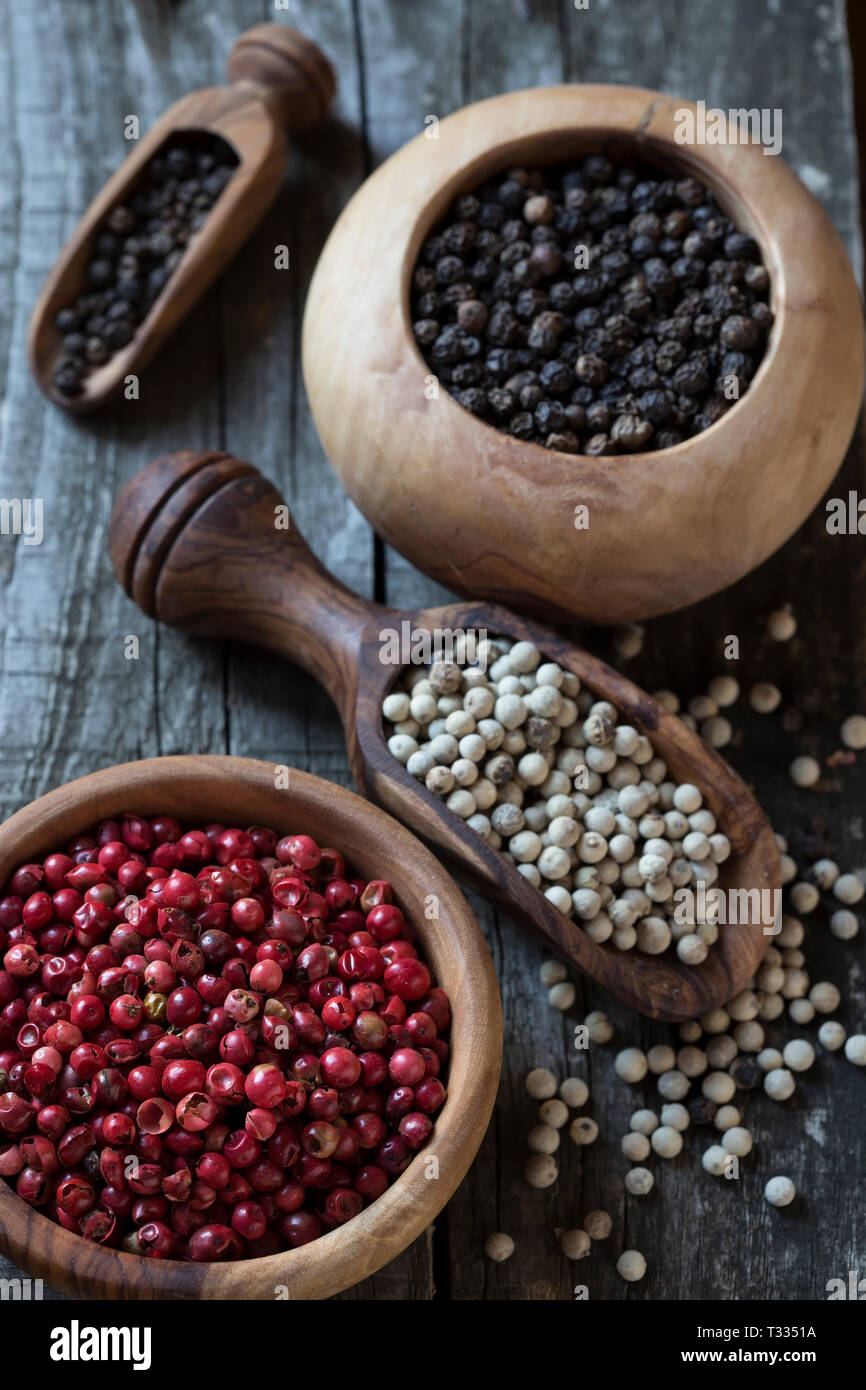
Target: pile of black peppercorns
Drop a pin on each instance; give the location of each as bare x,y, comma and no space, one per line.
603,309
135,251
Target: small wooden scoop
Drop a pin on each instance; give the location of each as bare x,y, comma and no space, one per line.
194,540
279,80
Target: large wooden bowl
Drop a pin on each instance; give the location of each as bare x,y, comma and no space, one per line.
242,791
491,516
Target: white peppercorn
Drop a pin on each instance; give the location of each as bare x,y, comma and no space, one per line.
553,1113
541,1083
798,1054
844,924
630,1065
396,706
749,1036
635,1147
726,1117
805,771
855,1049
690,1031
765,697
779,1084
462,803
692,950
525,846
541,1170
401,747
561,899
598,1225
574,1091
721,1051
804,897
583,1130
848,889
737,1141
666,1141
853,731
439,780
661,1058
831,1035
465,772
780,1192
714,1160
675,1116
499,1247
781,624
575,1244
715,1021
561,996
639,1181
718,1086
717,732
691,1061
672,1085
769,1059
653,935
801,1011
543,1139
631,1266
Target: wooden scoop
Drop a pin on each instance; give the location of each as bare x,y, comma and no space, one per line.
279,80
195,540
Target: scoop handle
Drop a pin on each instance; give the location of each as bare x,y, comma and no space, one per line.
204,542
287,71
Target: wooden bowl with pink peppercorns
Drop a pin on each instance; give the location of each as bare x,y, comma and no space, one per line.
240,791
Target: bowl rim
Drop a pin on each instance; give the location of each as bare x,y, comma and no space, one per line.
346,1255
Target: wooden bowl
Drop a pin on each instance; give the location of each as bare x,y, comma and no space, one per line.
491,516
242,790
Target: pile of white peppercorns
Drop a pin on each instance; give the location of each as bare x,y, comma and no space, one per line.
580,803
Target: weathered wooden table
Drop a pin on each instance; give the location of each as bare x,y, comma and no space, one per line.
70,701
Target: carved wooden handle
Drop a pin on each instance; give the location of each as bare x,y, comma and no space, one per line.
202,541
290,73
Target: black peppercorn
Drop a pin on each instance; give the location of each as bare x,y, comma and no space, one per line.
702,1110
746,1072
656,290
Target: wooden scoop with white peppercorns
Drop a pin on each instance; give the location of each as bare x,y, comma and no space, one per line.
279,81
196,540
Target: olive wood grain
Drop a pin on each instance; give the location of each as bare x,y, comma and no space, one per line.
492,516
229,572
279,80
241,791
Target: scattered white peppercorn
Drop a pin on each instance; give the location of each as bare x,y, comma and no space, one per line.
562,995
543,1139
825,997
644,1121
765,697
726,1117
725,690
499,1247
719,1087
801,1011
666,1141
639,1181
598,1225
848,889
781,624
631,1266
575,1244
673,1085
855,1049
675,1116
661,1058
780,1192
804,897
541,1170
553,1112
805,771
583,1130
631,1065
769,1059
844,924
779,1083
635,1147
831,1035
552,972
574,1091
738,1141
714,1160
853,731
541,1083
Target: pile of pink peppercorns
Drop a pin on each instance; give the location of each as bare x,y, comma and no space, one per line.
214,1044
